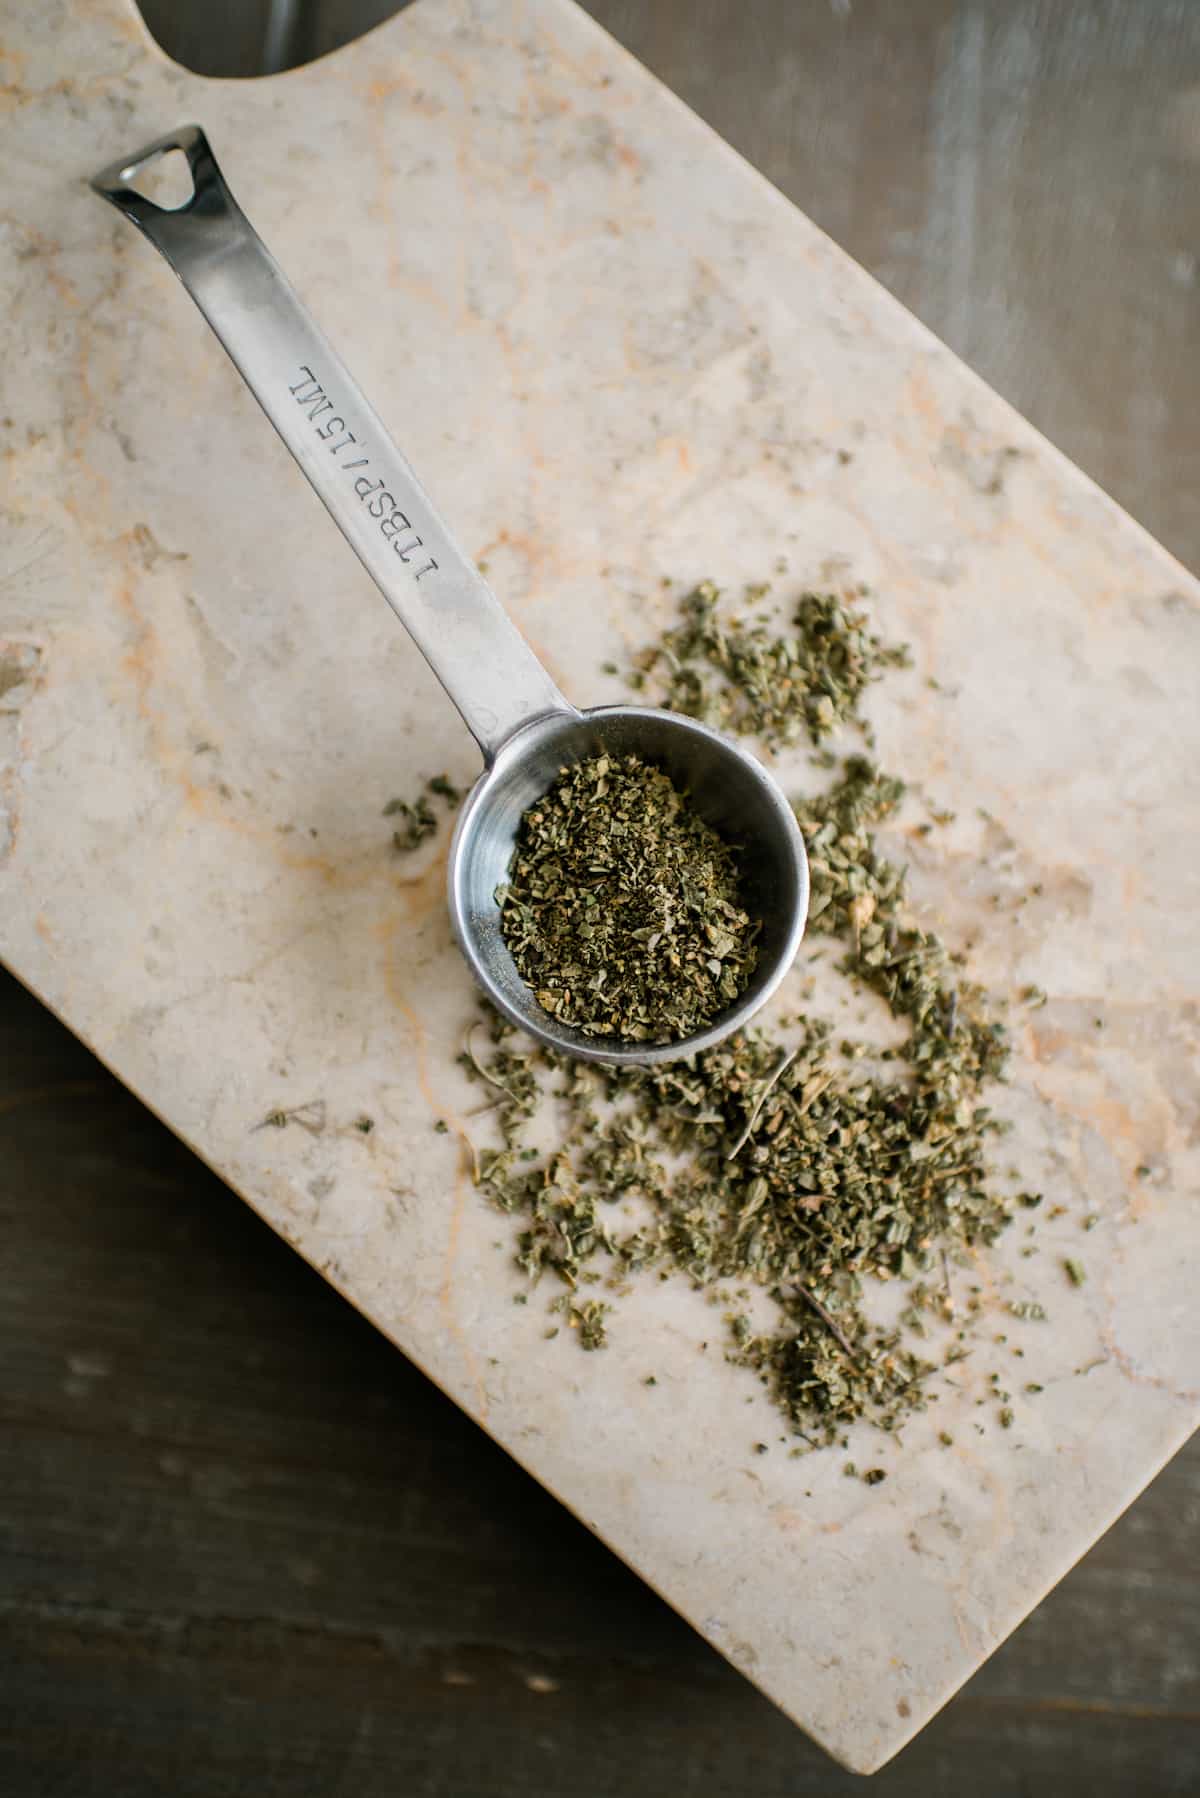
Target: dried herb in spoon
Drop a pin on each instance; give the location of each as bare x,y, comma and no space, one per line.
622,908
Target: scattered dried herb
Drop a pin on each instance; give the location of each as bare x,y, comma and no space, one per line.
444,787
621,907
844,1178
744,676
418,820
779,1172
588,1318
310,1116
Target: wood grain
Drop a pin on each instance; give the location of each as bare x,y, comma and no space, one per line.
243,1546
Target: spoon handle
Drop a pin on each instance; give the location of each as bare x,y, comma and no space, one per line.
370,491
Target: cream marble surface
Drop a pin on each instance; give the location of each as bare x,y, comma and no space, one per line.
614,353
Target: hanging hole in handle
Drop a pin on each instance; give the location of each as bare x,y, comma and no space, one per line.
164,178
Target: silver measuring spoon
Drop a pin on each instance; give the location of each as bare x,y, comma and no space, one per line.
522,723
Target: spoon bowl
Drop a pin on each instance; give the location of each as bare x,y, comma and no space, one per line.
725,786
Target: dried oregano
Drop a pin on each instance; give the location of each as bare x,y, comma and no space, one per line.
779,1170
747,676
761,1165
622,908
418,819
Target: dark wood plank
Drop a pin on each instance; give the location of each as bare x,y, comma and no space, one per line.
244,1548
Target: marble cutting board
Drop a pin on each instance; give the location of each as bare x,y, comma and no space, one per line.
615,354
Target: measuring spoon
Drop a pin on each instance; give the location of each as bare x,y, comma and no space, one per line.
524,726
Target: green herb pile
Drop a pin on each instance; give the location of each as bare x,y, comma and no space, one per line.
621,908
780,1171
418,820
750,678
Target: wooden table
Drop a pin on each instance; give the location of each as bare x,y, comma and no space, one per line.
245,1547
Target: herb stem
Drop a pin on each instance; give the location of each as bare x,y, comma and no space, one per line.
472,1151
480,1069
813,1091
832,1325
785,1062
